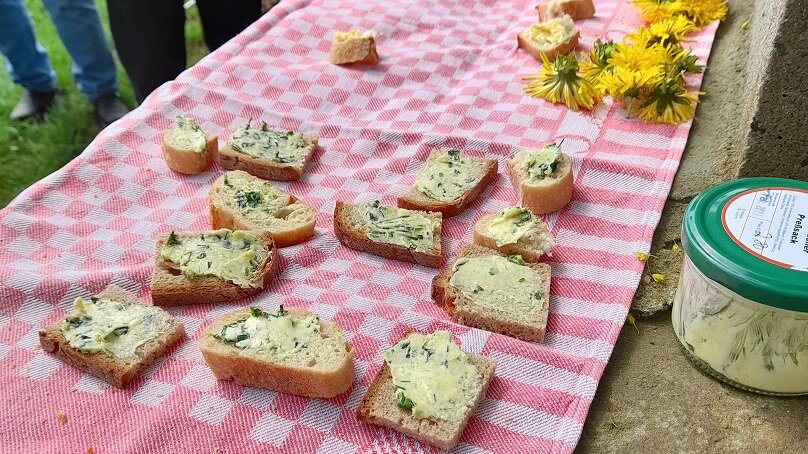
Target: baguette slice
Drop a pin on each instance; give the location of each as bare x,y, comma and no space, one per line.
169,287
549,38
485,172
324,369
263,166
549,194
504,319
349,229
354,46
576,9
114,370
534,243
238,200
183,156
379,407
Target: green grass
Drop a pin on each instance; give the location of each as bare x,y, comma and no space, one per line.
30,151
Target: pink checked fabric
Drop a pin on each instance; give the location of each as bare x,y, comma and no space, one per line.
450,76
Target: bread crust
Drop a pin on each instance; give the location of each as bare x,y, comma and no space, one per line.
230,159
356,50
190,162
537,52
552,195
576,9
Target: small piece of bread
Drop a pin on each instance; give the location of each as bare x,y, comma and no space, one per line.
169,287
504,318
549,38
484,171
117,371
187,149
349,228
238,200
354,46
532,245
323,370
576,9
267,162
546,195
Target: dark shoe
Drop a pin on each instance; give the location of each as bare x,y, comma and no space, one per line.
109,109
33,104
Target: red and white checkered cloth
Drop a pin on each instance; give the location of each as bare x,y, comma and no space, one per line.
450,75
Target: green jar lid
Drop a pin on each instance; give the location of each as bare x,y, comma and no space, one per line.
751,236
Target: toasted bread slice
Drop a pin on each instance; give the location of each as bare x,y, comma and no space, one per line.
379,406
549,38
542,184
515,230
120,359
353,228
268,154
449,182
170,286
576,9
306,362
354,46
238,200
187,149
522,315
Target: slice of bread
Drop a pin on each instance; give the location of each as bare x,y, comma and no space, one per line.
496,313
257,151
187,149
532,243
544,195
170,287
238,200
549,38
354,46
576,9
323,368
379,407
478,175
117,371
350,228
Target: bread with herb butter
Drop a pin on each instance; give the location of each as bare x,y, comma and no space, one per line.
238,200
187,149
268,154
403,394
449,182
576,9
495,292
112,336
515,230
212,267
288,350
354,46
395,233
549,38
542,178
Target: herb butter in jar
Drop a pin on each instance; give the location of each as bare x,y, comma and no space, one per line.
741,309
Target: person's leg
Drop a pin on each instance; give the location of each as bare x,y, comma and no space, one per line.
150,38
224,19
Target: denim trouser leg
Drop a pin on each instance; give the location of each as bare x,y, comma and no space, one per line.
79,28
27,62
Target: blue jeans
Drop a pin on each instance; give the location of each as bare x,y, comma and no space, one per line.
79,28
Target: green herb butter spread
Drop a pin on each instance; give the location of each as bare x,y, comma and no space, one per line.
499,283
116,329
433,377
511,225
280,333
285,147
537,164
261,202
397,226
231,255
448,176
187,135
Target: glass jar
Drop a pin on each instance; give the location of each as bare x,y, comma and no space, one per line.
741,308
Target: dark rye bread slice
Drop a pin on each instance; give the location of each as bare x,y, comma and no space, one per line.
170,288
463,310
230,159
379,407
116,371
346,228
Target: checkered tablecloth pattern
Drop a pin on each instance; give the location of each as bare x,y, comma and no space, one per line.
450,75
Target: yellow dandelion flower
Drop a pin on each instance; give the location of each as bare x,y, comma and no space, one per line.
658,277
671,31
669,103
598,60
684,61
654,10
703,12
628,83
638,55
559,82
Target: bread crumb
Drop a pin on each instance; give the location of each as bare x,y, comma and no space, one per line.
89,450
508,419
61,416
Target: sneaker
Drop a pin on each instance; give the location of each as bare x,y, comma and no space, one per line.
108,109
33,104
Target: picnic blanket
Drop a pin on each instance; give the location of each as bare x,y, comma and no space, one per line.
450,76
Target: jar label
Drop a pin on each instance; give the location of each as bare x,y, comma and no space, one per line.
771,224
